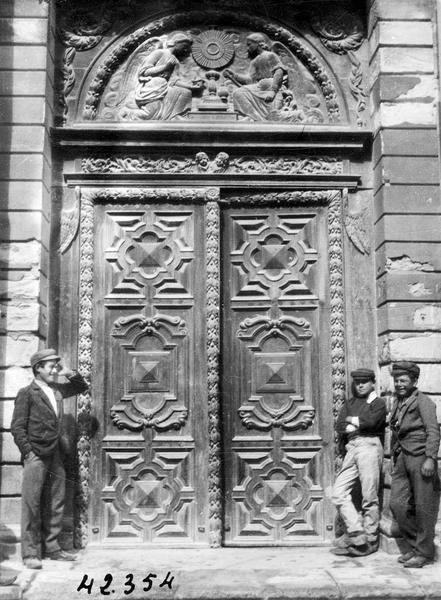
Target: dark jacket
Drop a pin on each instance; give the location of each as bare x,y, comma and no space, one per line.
371,415
418,432
35,426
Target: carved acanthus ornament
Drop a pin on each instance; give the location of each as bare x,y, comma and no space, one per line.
342,32
356,225
287,197
70,222
221,163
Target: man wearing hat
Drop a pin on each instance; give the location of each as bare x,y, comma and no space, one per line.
360,426
37,427
415,486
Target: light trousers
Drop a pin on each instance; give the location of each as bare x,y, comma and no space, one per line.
363,461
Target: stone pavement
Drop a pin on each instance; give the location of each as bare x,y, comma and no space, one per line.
226,573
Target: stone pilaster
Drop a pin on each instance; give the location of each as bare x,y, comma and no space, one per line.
404,100
26,93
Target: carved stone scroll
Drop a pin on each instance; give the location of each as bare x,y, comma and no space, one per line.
287,197
213,346
85,368
356,225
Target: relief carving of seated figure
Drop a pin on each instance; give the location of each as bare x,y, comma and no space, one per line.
160,93
258,93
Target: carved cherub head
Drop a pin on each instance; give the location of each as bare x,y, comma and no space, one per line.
202,160
221,161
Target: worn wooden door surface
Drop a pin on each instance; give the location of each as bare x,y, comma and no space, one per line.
149,451
275,381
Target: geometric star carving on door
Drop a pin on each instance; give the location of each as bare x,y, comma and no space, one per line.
270,259
150,373
275,494
151,249
149,491
275,398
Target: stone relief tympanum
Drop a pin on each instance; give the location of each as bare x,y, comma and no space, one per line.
206,73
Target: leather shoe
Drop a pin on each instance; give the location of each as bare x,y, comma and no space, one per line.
416,562
61,555
406,556
32,562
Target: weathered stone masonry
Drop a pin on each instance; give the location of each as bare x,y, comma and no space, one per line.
26,82
404,95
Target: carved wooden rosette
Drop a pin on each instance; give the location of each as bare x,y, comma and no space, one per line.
213,347
84,367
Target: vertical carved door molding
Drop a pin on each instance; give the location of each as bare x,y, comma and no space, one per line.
84,366
213,348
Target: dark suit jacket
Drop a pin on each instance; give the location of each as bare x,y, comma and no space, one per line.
35,426
418,432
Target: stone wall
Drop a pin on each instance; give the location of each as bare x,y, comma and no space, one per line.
406,190
26,83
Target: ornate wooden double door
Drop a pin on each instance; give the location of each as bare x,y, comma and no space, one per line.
211,373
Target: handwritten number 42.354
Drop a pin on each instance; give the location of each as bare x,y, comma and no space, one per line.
87,584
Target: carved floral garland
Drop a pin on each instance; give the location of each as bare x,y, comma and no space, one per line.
189,19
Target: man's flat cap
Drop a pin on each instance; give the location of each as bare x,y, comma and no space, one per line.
363,374
43,355
405,368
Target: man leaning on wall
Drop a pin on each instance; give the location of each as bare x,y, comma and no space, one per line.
37,427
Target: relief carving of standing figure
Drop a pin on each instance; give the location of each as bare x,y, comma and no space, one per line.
258,93
160,93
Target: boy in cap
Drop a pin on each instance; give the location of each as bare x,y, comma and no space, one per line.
37,427
361,426
415,486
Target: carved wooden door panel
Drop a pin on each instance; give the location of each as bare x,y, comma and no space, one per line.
149,467
277,395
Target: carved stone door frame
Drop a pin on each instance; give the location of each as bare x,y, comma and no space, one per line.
212,199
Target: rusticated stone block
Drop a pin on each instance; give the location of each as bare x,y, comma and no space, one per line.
430,378
418,348
24,255
22,110
6,410
22,138
21,195
23,31
9,450
16,226
399,10
409,257
427,317
22,83
403,88
403,60
18,285
10,480
403,228
24,8
16,349
401,33
405,287
405,316
406,142
415,199
408,169
13,379
21,316
23,57
404,114
21,166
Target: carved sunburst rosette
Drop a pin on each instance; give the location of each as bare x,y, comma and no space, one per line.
213,49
